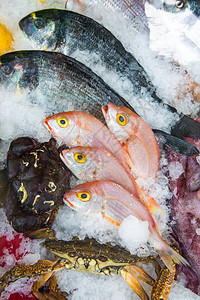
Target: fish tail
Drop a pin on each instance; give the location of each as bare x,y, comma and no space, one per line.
170,257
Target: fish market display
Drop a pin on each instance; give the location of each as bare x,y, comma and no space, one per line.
67,31
37,180
125,175
116,204
137,139
60,80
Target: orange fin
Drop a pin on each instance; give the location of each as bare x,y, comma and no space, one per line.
170,257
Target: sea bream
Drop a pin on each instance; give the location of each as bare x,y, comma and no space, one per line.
137,138
56,81
116,204
66,31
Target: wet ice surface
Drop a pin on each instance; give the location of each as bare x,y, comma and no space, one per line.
21,117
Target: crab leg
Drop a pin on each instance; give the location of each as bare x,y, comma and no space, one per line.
54,290
39,283
134,284
140,274
17,272
163,284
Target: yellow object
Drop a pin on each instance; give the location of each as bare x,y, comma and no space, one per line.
5,39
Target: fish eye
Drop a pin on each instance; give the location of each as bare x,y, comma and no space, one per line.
6,69
80,157
63,122
122,119
84,196
39,23
180,4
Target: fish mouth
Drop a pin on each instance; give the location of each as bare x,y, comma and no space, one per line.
68,203
63,159
46,124
104,109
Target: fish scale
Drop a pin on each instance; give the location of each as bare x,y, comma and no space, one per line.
62,81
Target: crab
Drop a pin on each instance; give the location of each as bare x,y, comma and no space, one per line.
90,256
35,181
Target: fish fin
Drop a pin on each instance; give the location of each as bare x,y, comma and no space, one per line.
170,257
154,207
115,212
134,284
111,220
176,144
186,127
150,203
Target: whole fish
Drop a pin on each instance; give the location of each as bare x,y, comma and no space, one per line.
66,31
116,204
77,128
137,139
93,163
61,82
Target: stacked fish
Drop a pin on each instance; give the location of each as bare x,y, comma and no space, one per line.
98,154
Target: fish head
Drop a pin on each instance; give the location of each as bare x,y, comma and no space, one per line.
85,198
42,28
176,6
77,160
63,126
18,70
118,120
